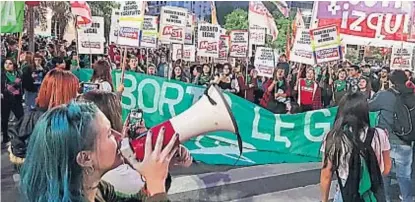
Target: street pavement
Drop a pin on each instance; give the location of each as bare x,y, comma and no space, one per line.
201,182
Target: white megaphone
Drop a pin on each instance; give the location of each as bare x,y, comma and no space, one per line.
211,113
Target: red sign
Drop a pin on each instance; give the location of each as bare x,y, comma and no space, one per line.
173,32
208,46
386,20
238,49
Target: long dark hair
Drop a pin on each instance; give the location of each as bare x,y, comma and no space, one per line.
351,120
102,71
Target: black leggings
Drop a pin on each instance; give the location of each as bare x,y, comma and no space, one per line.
10,104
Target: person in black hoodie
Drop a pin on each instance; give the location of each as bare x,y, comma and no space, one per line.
29,69
11,96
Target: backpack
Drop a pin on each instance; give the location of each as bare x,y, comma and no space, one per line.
364,182
404,116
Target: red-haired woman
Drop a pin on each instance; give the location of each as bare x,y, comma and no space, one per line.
59,87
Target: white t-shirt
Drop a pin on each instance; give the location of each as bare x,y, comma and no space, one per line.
380,143
124,179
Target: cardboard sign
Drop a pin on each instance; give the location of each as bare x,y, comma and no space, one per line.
173,22
208,40
257,35
325,43
130,23
177,52
91,38
224,45
301,51
239,44
401,57
114,26
264,61
189,53
149,32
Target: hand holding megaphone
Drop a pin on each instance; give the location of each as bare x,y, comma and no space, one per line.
210,113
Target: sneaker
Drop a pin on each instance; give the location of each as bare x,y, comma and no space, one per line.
400,197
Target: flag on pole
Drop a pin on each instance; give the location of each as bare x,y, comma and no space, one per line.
82,11
213,13
282,6
258,15
297,23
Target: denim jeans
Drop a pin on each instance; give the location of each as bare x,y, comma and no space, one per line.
30,99
402,166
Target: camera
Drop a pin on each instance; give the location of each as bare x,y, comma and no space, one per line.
135,120
86,87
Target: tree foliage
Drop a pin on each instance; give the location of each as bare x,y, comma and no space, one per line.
238,19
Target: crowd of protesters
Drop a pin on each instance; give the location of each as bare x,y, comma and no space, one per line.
37,83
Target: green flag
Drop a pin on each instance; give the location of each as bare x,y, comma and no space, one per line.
11,16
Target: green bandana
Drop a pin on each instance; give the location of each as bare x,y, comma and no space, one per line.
308,83
11,76
340,85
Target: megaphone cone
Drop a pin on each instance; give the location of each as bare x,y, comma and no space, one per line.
211,113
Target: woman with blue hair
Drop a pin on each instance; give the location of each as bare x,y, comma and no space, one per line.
73,146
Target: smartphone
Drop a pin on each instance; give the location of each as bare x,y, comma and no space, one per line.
135,119
86,87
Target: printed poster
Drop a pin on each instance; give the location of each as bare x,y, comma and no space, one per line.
257,35
224,45
115,16
208,40
177,52
190,28
264,61
130,23
401,58
239,43
301,51
91,37
326,44
189,53
173,22
149,32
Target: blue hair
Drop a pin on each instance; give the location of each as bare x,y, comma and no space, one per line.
50,171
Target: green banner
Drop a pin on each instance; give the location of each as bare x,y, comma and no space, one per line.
267,138
11,16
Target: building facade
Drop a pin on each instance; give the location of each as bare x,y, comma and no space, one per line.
201,9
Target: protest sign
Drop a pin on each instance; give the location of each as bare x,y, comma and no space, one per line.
301,51
326,44
257,35
190,28
208,40
114,26
149,32
189,53
91,37
264,61
173,22
239,43
177,51
224,44
267,137
11,16
374,23
401,57
130,22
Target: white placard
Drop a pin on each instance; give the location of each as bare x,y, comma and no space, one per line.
401,58
177,51
325,43
173,22
130,23
149,32
239,44
114,26
257,35
301,51
264,61
91,38
224,46
190,29
189,53
208,40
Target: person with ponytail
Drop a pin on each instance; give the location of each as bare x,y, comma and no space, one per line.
73,146
358,154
